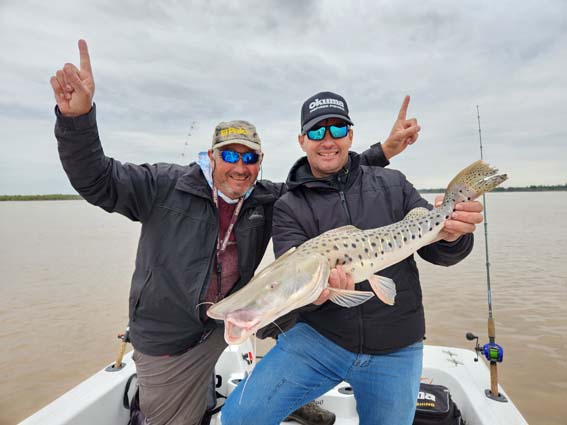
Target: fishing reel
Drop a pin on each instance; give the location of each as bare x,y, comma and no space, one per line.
491,351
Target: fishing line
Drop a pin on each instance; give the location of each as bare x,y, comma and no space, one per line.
281,330
251,367
204,302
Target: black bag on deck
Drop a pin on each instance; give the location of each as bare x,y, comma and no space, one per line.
436,407
136,415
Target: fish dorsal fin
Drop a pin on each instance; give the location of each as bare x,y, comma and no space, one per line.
287,253
346,298
278,260
347,228
417,213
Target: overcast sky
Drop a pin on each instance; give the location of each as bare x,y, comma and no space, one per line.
167,72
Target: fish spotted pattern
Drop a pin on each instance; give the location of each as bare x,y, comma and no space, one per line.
298,276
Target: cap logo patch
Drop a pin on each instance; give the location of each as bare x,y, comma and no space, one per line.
231,130
326,103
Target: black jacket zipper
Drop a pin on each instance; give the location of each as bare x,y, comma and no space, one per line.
345,206
349,218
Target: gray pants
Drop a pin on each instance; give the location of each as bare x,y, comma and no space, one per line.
174,389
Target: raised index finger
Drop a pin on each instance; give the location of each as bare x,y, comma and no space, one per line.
404,108
85,59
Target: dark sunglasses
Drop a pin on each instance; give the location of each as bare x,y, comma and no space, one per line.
337,132
232,157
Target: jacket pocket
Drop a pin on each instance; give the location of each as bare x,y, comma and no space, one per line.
137,298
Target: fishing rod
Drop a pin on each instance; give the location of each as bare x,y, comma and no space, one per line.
493,352
118,364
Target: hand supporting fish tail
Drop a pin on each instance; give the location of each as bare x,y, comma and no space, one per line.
462,220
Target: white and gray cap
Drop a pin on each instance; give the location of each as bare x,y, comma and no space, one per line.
239,132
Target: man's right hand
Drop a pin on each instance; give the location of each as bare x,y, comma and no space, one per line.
338,279
74,88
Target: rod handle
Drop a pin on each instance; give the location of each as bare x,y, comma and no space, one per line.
120,355
491,328
494,378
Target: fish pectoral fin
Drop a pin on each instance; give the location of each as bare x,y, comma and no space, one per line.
384,288
346,298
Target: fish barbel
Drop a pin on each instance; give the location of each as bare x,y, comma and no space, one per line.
298,276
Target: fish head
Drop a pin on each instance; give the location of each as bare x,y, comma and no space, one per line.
286,284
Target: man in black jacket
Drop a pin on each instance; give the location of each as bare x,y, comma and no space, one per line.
203,235
375,347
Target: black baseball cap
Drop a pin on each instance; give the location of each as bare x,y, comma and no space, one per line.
321,106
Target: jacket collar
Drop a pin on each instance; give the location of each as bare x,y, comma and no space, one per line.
300,175
195,183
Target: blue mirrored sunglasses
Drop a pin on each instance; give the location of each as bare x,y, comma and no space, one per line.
232,157
337,132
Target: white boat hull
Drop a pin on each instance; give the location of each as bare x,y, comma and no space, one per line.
99,399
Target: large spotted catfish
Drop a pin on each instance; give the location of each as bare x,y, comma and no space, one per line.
298,277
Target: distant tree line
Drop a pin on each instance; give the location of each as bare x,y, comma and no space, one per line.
53,197
60,197
532,188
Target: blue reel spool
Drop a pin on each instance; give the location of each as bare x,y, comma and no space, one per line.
493,352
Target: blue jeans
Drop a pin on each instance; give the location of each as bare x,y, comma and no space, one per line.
304,365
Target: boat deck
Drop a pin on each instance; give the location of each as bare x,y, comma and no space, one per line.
99,399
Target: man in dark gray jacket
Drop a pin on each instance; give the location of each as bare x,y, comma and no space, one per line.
203,236
375,347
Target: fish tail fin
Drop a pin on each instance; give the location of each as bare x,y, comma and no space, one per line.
473,181
384,288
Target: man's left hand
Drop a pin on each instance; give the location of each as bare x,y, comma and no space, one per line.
404,132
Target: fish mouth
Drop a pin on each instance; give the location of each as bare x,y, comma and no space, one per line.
239,325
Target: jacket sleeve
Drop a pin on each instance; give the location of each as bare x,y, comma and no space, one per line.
124,188
287,231
374,156
441,253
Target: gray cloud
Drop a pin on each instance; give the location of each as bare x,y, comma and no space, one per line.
160,66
